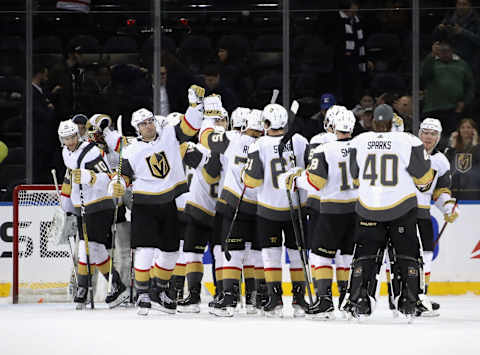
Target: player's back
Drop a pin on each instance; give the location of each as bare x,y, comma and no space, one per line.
386,164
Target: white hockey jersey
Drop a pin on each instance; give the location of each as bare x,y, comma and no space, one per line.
313,195
387,166
232,187
441,184
263,168
329,172
95,195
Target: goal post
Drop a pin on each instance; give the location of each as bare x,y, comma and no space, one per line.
41,270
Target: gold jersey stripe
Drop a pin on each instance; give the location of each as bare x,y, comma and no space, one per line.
252,182
425,179
186,128
387,207
438,192
140,192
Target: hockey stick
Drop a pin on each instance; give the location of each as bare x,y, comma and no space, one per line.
443,227
132,276
85,239
299,235
115,217
54,175
423,296
228,256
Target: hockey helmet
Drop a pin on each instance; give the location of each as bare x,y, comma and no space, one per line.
212,106
255,121
276,116
94,133
67,129
330,115
139,116
240,117
431,124
344,121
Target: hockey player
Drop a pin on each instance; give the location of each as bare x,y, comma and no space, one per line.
439,191
153,164
328,171
273,216
200,210
389,167
233,145
313,198
99,131
87,184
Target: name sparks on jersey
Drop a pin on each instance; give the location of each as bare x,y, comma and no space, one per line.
379,145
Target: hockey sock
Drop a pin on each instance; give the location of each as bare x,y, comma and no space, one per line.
164,265
143,264
272,261
427,267
296,266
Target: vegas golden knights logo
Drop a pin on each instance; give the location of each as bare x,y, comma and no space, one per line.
158,164
463,162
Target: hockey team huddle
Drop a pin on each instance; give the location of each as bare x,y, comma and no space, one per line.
246,187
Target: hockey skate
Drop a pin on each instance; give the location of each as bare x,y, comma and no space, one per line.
216,298
323,309
143,304
191,304
300,306
119,293
162,302
427,309
274,305
250,302
226,306
261,298
81,298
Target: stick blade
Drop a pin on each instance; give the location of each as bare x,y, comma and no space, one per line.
295,106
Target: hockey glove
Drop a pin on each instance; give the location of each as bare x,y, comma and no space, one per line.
451,211
116,187
286,181
83,176
212,106
195,95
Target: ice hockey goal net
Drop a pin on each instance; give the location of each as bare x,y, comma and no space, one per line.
41,270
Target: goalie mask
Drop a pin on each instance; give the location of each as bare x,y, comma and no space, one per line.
275,116
330,115
344,122
240,117
430,127
94,133
67,129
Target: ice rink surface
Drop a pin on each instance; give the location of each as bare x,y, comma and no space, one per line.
48,329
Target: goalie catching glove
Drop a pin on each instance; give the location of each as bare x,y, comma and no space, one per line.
286,181
195,95
83,176
117,187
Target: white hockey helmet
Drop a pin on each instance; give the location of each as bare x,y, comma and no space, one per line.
255,120
174,118
276,115
344,121
139,116
431,124
67,129
330,115
240,117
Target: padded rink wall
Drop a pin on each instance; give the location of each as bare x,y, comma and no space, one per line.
455,270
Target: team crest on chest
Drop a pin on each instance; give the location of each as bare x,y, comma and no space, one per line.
463,162
158,164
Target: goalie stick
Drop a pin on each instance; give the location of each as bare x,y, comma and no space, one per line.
72,255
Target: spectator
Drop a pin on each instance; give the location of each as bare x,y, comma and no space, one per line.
464,157
364,122
214,85
81,121
350,61
44,127
3,151
463,28
448,83
327,100
366,100
403,108
231,62
65,83
96,88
